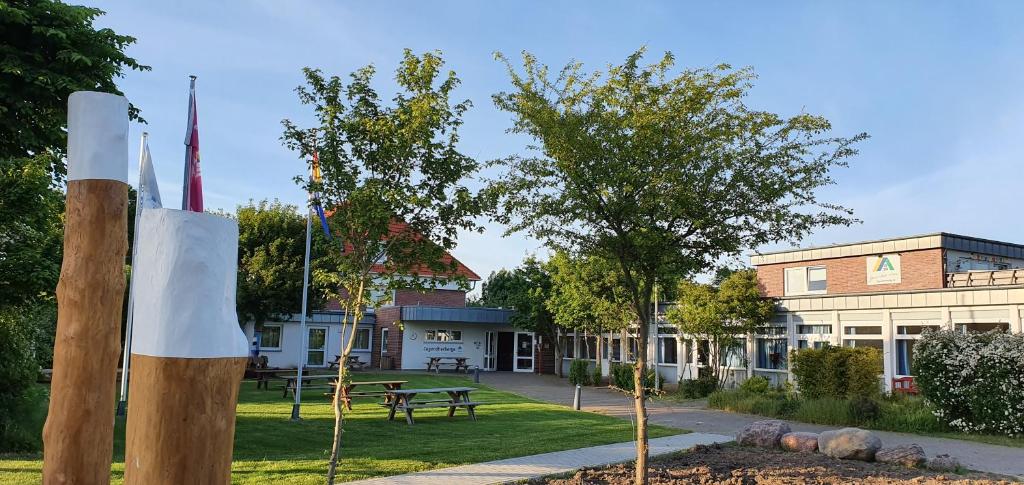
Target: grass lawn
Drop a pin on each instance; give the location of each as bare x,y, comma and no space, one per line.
269,448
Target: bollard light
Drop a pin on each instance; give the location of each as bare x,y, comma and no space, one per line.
476,375
576,397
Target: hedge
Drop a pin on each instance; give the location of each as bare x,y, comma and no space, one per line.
837,372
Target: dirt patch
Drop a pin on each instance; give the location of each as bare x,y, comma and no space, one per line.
740,466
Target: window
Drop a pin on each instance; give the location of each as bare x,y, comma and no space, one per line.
771,353
870,330
441,335
914,329
588,348
384,340
904,356
270,337
615,348
805,280
568,343
669,355
772,331
362,339
981,327
633,349
734,355
703,349
820,329
864,343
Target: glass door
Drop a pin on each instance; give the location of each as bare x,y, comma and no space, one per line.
490,351
524,352
316,346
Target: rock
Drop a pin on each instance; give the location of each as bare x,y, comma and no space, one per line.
944,463
907,455
800,441
849,444
763,434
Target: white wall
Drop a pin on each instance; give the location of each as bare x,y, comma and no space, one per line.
416,352
291,341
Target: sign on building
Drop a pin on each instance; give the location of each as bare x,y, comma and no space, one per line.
883,269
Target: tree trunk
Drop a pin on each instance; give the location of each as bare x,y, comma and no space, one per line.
597,359
339,414
558,352
639,399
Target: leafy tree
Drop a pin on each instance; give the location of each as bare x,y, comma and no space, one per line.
271,258
526,289
662,172
721,315
587,295
31,231
394,178
49,50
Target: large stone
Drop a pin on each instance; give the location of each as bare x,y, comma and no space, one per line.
763,434
907,455
944,463
800,441
849,444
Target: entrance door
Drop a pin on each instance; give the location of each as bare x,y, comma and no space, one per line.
524,352
506,351
317,346
490,351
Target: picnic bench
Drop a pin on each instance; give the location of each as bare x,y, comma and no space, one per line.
347,392
263,376
404,400
353,363
458,363
307,382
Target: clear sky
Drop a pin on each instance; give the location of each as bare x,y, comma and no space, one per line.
938,88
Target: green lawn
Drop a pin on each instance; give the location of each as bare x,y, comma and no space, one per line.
269,448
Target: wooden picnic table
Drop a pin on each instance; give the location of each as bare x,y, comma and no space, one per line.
436,362
263,376
291,379
347,391
458,397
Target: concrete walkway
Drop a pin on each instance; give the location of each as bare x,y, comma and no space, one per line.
526,467
695,416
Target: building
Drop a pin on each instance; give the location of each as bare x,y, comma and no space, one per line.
883,294
406,331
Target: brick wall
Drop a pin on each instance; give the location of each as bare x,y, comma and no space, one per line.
386,318
445,298
918,270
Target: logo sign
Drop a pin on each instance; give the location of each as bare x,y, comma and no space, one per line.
883,269
442,349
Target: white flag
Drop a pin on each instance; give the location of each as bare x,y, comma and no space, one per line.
150,193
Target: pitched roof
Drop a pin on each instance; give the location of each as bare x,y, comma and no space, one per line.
399,227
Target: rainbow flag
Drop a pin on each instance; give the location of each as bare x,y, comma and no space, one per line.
316,197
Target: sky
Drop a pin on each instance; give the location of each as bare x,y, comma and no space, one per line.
936,86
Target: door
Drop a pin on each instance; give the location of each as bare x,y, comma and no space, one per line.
490,351
524,352
316,349
506,351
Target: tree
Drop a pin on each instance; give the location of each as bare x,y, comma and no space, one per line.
49,50
271,259
525,289
660,172
587,294
393,176
719,314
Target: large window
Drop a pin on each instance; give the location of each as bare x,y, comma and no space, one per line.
588,347
441,335
904,356
568,343
669,353
771,353
814,329
735,355
270,337
362,339
615,349
805,280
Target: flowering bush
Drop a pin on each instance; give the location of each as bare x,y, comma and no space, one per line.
975,381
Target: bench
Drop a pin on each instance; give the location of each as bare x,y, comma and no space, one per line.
404,400
456,363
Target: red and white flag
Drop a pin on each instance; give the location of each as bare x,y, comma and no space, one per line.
192,190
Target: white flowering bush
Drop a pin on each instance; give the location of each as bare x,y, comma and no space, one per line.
974,381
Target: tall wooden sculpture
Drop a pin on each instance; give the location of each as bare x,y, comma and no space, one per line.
188,352
79,431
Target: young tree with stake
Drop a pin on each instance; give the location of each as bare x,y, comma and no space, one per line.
393,176
661,172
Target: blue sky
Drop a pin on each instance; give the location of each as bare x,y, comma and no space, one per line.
936,86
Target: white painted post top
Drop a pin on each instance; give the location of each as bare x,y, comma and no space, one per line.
97,136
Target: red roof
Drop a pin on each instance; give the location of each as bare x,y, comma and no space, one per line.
398,227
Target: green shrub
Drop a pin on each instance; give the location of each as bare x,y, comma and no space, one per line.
595,377
579,372
756,385
698,388
909,414
975,381
826,410
864,409
621,376
18,372
837,372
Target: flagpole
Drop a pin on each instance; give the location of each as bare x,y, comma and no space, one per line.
187,178
302,320
123,397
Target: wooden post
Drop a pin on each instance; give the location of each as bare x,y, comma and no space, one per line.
188,352
78,437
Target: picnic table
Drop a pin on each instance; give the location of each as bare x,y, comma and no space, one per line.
435,363
347,392
263,376
403,400
291,379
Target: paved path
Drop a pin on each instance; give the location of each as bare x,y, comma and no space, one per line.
694,416
525,467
